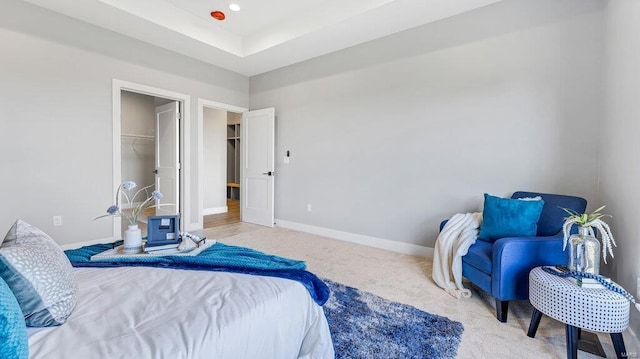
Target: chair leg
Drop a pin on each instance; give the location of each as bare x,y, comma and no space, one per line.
535,321
502,308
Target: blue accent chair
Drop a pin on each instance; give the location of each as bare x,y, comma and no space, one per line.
502,268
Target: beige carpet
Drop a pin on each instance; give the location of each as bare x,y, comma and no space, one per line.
407,279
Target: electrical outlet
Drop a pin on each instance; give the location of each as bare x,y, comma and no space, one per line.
308,207
57,221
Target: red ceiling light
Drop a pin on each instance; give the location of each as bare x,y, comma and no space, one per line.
218,15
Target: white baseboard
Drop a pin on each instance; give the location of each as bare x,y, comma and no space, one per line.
375,242
193,227
215,210
406,248
86,243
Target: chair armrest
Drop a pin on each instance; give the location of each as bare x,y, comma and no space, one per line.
513,259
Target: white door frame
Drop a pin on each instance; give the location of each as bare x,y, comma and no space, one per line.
202,103
185,144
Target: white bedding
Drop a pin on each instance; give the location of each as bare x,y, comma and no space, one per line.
138,312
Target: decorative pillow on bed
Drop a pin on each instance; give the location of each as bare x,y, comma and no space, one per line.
13,331
506,217
39,274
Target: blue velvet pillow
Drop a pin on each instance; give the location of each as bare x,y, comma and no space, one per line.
505,217
13,330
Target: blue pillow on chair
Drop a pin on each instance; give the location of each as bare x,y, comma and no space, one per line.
505,217
13,330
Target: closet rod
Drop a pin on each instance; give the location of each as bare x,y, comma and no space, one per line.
129,135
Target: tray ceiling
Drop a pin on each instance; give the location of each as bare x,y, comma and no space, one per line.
263,35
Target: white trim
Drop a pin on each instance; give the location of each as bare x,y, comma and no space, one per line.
215,210
202,103
117,149
219,105
125,205
185,147
64,247
405,248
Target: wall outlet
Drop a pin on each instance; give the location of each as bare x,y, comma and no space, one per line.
57,221
308,207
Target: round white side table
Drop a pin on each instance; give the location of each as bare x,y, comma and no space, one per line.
593,309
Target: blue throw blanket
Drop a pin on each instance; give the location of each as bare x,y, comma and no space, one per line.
217,258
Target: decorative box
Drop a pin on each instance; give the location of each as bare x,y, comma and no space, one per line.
163,230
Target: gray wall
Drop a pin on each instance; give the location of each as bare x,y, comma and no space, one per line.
214,158
138,117
390,137
620,169
56,126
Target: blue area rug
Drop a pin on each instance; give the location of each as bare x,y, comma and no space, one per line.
367,326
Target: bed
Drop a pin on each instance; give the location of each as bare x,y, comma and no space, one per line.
150,312
138,312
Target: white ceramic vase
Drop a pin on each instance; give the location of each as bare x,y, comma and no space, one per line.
132,239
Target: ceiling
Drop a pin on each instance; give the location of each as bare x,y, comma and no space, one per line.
265,34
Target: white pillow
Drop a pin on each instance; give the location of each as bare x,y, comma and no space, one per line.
39,274
536,198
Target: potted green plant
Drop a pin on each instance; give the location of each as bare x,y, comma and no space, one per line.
584,247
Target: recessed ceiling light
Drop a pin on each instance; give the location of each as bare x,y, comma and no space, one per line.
234,7
218,15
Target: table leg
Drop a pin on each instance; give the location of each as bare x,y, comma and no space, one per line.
572,342
535,321
618,344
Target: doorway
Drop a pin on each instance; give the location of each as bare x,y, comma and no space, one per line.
256,161
220,164
150,151
137,142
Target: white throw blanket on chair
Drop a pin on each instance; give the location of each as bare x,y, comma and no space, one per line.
458,234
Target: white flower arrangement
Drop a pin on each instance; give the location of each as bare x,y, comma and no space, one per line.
124,188
590,221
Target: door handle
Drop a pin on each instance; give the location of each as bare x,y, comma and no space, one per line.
268,173
155,171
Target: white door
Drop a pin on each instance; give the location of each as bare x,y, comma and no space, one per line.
257,166
167,158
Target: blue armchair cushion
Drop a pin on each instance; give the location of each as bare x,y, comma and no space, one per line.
505,217
480,256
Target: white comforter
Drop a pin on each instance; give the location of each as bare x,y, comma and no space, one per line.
139,312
